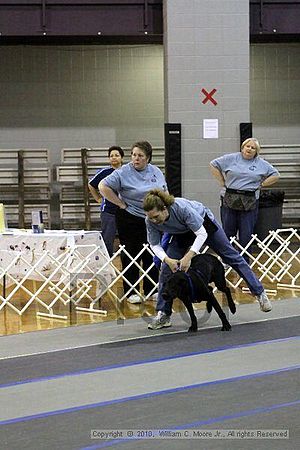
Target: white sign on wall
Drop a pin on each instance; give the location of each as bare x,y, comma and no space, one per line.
210,128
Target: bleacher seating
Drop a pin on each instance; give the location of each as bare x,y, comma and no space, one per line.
66,203
286,158
25,177
70,181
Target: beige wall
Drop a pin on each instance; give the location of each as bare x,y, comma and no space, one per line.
275,92
73,96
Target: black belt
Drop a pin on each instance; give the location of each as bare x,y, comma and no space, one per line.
238,191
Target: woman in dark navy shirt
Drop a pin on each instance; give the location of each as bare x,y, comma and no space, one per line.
108,209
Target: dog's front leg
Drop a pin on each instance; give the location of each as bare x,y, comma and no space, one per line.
189,306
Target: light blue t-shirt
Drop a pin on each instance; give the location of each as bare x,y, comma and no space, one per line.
243,174
185,215
132,185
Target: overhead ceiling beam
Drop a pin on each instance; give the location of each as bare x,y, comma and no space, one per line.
125,21
44,21
274,20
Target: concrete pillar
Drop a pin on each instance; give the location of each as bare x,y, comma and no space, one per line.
206,47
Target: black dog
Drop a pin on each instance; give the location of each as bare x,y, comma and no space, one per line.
193,287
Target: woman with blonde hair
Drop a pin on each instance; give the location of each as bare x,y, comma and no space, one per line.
241,176
190,224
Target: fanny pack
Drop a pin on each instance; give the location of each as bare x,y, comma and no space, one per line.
239,200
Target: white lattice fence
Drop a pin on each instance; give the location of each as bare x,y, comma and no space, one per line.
276,260
52,268
70,275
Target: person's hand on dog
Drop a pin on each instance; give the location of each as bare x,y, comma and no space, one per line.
172,263
185,262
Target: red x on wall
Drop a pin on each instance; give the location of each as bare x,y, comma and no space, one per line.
209,96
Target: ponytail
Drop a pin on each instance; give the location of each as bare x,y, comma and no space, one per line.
156,198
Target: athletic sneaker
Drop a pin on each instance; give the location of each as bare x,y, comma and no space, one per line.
161,320
134,298
264,302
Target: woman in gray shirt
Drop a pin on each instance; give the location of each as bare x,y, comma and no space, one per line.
241,176
126,188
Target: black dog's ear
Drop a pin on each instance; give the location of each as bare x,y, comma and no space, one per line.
175,287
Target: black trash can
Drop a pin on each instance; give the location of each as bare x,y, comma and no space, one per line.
269,212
